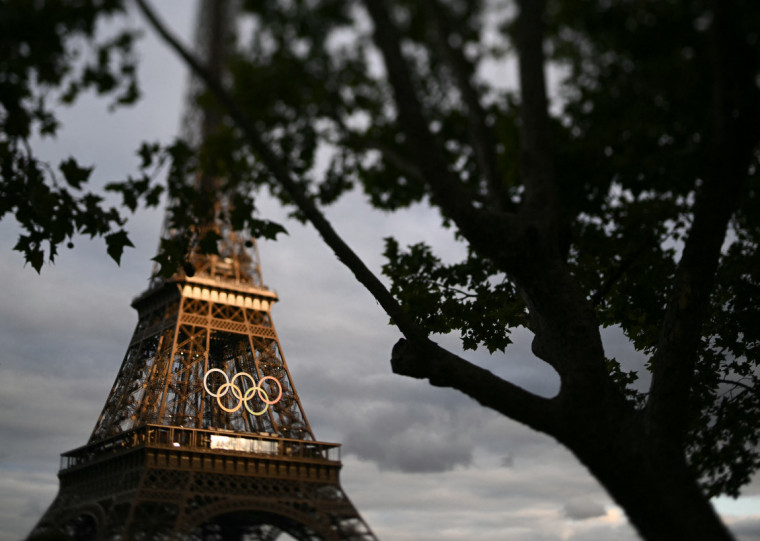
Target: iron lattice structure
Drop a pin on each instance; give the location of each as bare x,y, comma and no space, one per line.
169,460
203,435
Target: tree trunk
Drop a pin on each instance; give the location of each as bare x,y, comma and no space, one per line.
655,488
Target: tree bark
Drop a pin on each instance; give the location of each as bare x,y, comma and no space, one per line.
657,490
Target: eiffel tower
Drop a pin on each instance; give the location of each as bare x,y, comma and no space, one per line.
203,435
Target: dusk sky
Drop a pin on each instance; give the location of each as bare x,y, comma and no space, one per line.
420,463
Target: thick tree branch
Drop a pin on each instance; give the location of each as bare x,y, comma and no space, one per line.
540,201
481,135
567,332
734,136
677,349
427,360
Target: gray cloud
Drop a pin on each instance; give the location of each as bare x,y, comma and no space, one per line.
508,461
409,439
582,509
747,529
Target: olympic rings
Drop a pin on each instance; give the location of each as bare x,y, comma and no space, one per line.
237,392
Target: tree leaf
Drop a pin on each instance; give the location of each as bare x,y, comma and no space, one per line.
74,174
116,242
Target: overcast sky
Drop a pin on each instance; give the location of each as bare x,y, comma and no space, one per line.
420,463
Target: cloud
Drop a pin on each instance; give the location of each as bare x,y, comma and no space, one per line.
23,499
583,509
746,528
482,502
507,461
407,439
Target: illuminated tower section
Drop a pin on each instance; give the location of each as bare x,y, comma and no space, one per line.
203,435
205,354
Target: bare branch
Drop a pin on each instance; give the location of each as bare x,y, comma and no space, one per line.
738,384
